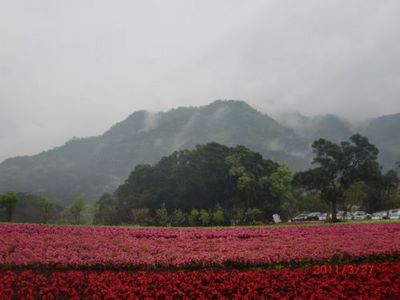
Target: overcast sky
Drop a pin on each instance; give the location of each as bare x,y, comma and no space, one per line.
74,68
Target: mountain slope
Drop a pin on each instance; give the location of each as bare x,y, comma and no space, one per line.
328,126
384,132
89,167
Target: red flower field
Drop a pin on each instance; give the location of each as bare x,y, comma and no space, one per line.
319,262
383,283
29,245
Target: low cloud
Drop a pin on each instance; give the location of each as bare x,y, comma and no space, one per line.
74,68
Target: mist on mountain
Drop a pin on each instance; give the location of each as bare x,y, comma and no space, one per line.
89,167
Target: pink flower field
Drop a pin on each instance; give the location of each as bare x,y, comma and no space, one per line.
112,247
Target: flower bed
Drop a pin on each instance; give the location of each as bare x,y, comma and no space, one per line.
300,283
102,247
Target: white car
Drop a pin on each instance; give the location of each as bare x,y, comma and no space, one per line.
348,216
361,215
394,214
380,215
343,215
323,217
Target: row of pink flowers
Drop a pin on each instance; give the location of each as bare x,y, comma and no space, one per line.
383,283
28,245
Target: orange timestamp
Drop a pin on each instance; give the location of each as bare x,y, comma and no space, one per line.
363,269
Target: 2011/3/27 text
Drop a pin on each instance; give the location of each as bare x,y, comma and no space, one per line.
364,269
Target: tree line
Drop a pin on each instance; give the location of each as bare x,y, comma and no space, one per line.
193,184
218,185
235,179
28,208
349,174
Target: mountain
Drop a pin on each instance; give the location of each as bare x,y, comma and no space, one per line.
384,132
88,167
328,126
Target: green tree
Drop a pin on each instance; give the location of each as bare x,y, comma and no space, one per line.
390,190
218,216
280,190
162,217
246,169
205,175
193,217
105,211
204,217
280,182
246,180
76,208
308,201
253,215
340,166
8,201
239,216
46,207
178,217
355,195
141,216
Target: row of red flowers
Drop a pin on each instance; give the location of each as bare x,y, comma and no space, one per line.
28,245
383,283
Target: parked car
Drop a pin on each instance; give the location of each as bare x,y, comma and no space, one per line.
394,214
380,215
314,216
348,216
323,217
361,215
340,215
301,217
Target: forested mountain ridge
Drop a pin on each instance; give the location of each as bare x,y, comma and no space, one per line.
89,167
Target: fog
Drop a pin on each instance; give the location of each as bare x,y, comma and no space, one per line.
74,68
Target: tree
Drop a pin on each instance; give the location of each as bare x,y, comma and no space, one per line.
218,215
141,216
280,182
162,217
205,175
178,217
46,206
8,201
204,217
246,181
193,217
239,216
308,201
76,208
253,215
280,190
105,211
340,166
390,189
355,195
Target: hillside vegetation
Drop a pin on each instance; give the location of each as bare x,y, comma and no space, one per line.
89,167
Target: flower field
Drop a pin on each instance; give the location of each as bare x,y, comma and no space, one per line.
285,284
123,247
49,262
